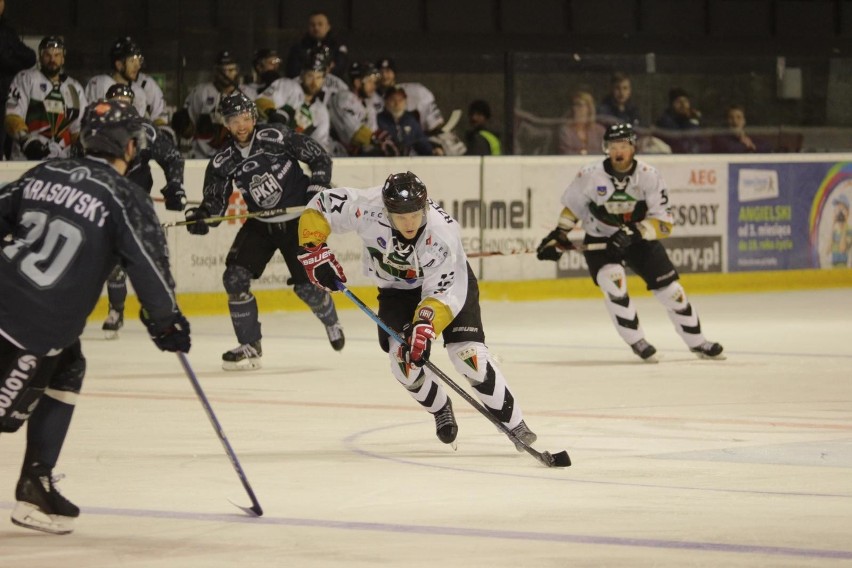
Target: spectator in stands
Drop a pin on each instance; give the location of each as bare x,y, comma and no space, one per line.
266,68
318,34
421,101
581,134
199,119
736,141
680,123
618,107
14,57
480,139
403,126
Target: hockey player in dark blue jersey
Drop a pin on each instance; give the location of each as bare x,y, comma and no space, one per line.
262,162
64,225
162,149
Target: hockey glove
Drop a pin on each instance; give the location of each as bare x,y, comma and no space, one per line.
322,267
619,242
196,217
174,196
419,336
314,188
382,140
553,245
173,336
35,147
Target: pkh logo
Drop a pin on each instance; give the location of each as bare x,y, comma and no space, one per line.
265,190
473,213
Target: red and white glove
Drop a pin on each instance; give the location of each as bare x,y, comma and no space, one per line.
322,267
419,336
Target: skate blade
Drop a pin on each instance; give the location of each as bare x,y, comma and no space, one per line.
110,334
719,357
28,516
244,365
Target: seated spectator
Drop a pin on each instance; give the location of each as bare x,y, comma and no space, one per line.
318,35
480,139
736,141
617,107
403,126
421,101
680,124
581,134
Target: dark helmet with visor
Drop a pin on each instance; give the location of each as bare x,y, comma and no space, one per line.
108,125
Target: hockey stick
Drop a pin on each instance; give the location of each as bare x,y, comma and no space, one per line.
559,459
579,247
255,215
162,200
255,509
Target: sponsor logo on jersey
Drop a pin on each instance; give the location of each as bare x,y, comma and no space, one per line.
468,356
14,382
601,189
426,313
265,190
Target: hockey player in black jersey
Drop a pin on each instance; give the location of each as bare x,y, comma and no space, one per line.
262,162
162,149
64,225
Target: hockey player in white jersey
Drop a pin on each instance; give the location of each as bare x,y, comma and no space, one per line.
297,102
353,119
623,203
413,252
125,63
44,107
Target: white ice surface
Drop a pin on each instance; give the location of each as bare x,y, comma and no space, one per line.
744,462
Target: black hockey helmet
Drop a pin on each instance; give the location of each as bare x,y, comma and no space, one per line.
623,131
263,53
317,59
48,42
404,193
237,103
120,90
361,69
107,126
225,58
122,48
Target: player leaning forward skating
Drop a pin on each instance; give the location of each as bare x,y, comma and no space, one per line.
413,252
623,204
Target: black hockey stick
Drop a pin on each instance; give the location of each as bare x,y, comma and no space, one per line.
255,215
579,247
559,459
255,509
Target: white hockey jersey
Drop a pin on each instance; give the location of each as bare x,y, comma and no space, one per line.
436,262
348,114
420,101
52,112
202,103
332,84
604,205
155,102
98,86
309,119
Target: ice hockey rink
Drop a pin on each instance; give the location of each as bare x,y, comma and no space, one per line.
743,462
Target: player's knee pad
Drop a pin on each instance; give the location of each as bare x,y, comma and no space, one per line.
22,384
673,297
117,275
471,359
237,282
612,280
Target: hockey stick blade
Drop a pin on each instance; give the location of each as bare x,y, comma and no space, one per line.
559,459
255,510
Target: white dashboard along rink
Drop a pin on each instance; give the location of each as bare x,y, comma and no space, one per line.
688,462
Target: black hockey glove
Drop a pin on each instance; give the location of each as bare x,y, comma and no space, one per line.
174,196
321,266
35,148
619,242
554,245
384,144
419,336
196,216
172,337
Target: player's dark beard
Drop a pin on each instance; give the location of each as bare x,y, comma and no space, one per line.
51,71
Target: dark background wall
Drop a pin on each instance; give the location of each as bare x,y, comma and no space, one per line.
458,47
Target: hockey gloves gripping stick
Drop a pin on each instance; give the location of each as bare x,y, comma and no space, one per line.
174,196
172,337
322,267
620,241
559,459
553,245
418,341
196,220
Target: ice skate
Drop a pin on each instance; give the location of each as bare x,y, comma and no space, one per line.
40,506
245,357
445,424
709,350
335,335
524,434
645,350
113,322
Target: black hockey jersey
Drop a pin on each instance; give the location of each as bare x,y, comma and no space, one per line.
269,177
162,149
72,221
